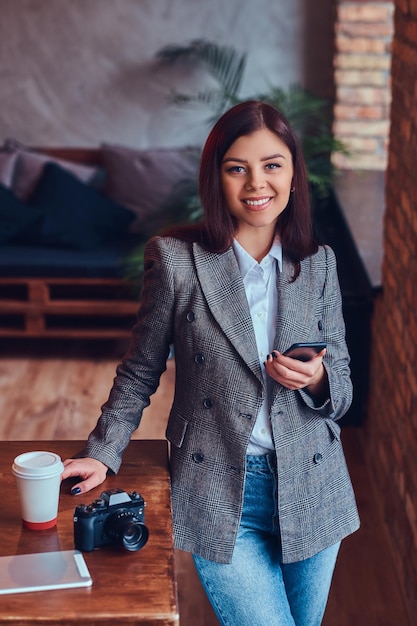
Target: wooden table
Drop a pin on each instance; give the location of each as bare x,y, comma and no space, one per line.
128,587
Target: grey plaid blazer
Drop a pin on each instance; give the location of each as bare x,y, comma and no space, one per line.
196,301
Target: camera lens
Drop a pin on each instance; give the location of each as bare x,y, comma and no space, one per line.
135,536
126,529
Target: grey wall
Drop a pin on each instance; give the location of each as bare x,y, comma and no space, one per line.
79,72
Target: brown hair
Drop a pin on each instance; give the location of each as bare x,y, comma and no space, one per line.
217,229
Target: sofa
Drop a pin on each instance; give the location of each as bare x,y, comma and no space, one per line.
70,221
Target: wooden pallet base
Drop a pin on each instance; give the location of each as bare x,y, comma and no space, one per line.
67,307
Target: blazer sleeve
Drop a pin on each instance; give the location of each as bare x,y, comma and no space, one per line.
138,375
337,359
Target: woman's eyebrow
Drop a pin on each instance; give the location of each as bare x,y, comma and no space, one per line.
234,159
278,155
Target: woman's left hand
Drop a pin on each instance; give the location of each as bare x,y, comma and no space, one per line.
295,374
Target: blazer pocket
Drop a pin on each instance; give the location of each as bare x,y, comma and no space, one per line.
176,429
334,428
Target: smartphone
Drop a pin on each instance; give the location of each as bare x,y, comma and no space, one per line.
304,351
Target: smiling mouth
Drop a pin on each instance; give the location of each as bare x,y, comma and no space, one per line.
257,203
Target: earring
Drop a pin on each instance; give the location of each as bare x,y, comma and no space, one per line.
292,189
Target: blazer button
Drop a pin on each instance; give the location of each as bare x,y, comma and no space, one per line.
318,457
320,325
198,457
199,358
207,404
190,316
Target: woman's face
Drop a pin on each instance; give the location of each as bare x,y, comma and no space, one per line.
256,177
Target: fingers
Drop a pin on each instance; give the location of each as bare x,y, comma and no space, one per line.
91,471
293,373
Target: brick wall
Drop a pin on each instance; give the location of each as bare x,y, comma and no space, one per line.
362,82
391,425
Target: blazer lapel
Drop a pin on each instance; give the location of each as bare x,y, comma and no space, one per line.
292,306
222,285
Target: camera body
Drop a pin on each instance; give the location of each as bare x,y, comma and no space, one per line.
115,517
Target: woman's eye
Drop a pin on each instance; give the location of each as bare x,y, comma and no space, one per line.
236,169
272,166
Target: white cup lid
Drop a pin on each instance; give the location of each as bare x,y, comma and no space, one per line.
37,463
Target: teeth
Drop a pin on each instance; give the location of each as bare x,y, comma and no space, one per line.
257,202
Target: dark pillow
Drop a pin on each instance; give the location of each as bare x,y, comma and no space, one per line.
18,221
74,214
143,180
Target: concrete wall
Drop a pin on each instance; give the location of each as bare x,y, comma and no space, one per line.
79,72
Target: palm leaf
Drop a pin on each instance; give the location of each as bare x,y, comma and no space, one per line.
309,115
223,63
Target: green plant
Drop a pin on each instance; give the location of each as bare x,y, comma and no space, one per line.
308,114
183,206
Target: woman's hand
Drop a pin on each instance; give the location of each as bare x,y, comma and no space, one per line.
92,472
295,374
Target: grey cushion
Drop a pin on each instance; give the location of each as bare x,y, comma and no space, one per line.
7,165
144,180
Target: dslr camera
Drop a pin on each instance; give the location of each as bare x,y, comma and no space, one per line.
116,517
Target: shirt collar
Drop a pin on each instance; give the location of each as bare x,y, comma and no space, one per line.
246,262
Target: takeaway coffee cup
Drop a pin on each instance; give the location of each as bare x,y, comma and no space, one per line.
38,479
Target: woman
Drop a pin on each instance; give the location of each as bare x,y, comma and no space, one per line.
261,493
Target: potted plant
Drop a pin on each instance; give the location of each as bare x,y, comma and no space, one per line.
308,114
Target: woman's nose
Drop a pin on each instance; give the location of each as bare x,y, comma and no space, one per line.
255,180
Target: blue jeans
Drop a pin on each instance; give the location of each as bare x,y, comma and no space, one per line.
256,588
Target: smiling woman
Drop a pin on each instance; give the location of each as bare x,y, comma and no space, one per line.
256,178
258,131
260,489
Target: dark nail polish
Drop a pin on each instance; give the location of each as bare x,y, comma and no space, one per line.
274,355
75,491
